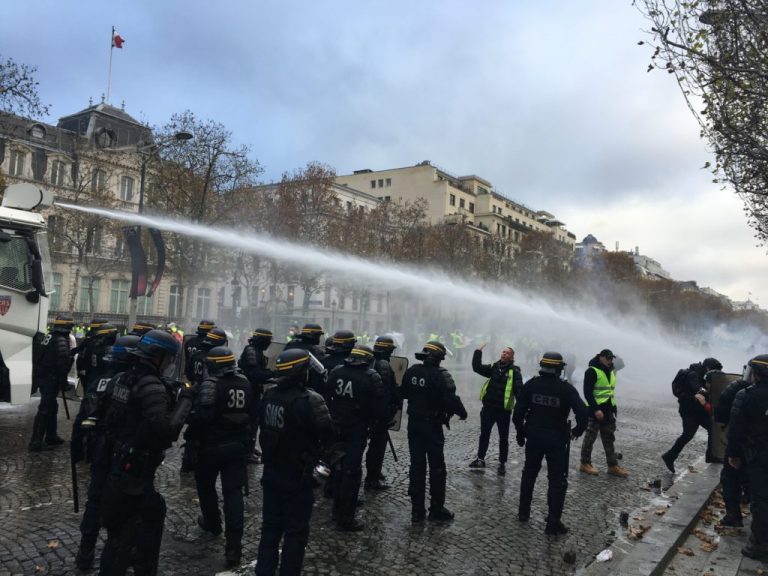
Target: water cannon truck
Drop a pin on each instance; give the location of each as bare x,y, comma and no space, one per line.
26,281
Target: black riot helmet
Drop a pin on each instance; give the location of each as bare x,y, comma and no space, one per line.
551,363
759,366
141,328
311,333
342,341
214,337
94,325
711,364
260,338
293,364
156,345
63,324
220,360
121,351
204,327
433,351
384,346
104,335
360,356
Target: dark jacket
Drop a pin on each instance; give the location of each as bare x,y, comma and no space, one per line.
748,429
497,373
694,383
294,423
725,402
51,361
357,397
590,378
253,363
431,393
225,410
544,405
393,398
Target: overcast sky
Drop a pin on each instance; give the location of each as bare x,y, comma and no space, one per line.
550,101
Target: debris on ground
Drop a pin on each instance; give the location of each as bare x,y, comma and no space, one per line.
661,511
685,551
604,556
637,532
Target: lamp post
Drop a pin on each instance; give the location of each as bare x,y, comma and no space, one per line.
333,315
146,152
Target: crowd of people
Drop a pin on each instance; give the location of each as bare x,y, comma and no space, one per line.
321,414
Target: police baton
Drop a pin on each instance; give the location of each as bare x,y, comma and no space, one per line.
391,446
66,406
75,494
568,449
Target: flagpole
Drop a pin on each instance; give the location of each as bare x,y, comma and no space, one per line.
111,49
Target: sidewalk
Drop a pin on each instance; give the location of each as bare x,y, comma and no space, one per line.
676,533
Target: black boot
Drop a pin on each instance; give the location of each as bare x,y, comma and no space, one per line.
669,461
349,524
441,514
555,527
36,443
86,552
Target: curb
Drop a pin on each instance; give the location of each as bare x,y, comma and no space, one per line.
650,555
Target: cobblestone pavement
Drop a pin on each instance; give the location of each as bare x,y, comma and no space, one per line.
40,534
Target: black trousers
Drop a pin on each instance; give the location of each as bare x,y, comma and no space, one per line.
692,419
734,483
348,473
377,447
553,446
287,508
229,461
425,444
100,465
758,486
491,416
134,524
46,422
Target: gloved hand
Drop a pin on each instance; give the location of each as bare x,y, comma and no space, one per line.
188,391
576,432
463,415
520,437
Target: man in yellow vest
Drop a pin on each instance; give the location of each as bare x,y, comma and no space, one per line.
498,394
599,387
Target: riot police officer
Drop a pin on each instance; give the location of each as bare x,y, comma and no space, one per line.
733,481
253,363
540,419
198,366
83,350
141,328
308,339
294,421
432,400
191,344
340,347
50,366
383,348
141,424
224,412
119,359
356,401
97,371
748,442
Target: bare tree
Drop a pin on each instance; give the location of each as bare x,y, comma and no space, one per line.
18,90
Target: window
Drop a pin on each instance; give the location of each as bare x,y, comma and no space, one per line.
389,182
472,207
340,324
481,190
342,301
373,183
387,198
15,264
354,302
452,200
126,188
203,302
56,294
118,297
499,210
16,166
58,172
327,297
291,295
98,180
354,325
461,202
381,183
144,306
175,301
87,285
93,240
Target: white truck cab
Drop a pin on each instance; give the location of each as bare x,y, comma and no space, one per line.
26,281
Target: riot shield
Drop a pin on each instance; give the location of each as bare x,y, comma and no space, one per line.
718,435
272,352
399,365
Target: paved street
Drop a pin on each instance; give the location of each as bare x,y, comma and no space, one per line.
40,530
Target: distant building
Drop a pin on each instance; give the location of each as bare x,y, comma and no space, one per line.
468,199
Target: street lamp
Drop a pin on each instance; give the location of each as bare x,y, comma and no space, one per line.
333,315
146,152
